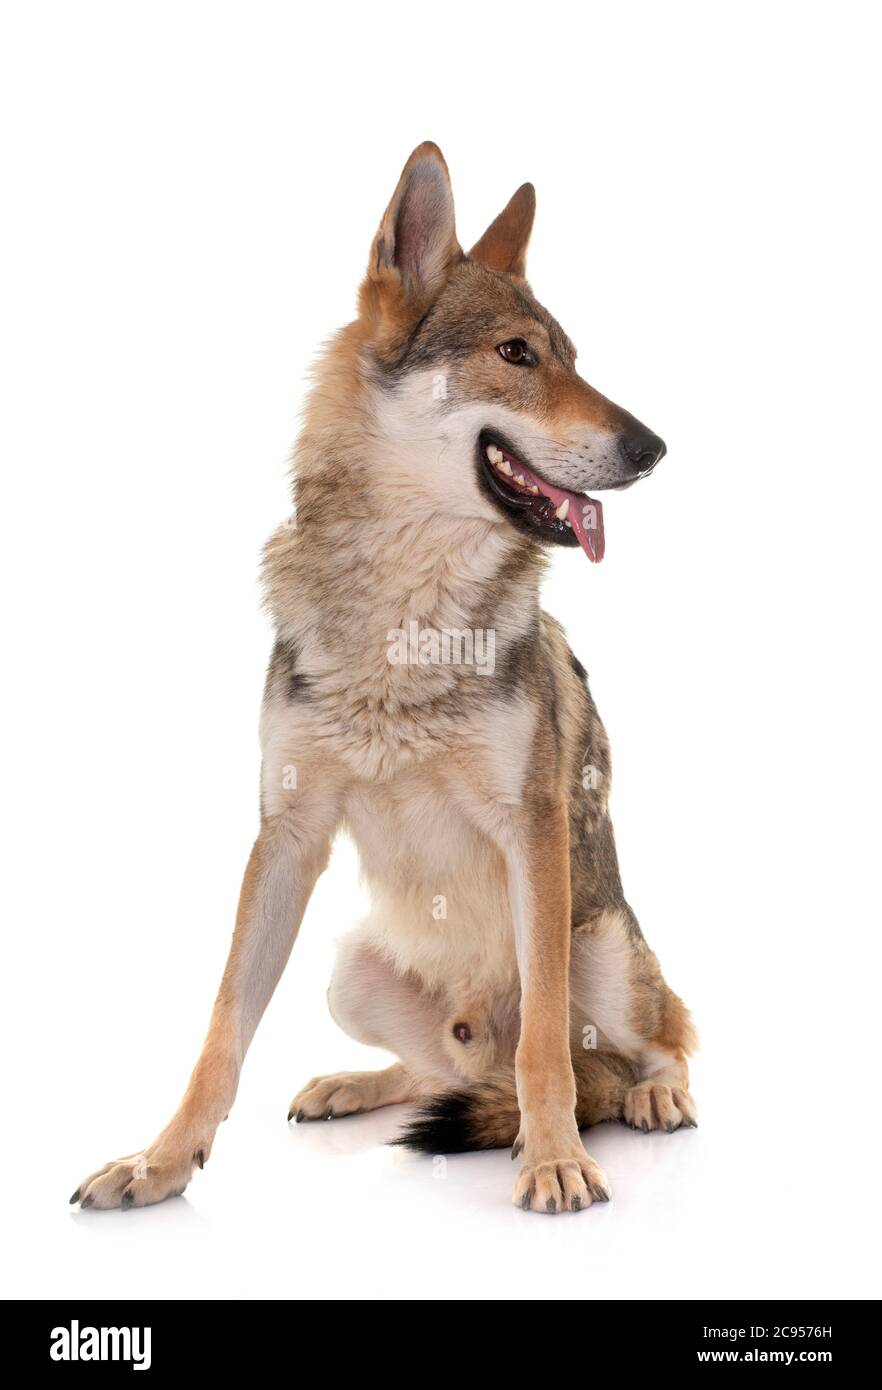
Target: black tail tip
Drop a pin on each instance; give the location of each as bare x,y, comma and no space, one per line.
440,1126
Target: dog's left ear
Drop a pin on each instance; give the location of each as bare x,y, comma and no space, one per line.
414,249
504,244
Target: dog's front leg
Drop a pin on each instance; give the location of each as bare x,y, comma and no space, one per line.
288,856
557,1174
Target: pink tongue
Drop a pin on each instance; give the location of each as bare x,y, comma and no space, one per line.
585,515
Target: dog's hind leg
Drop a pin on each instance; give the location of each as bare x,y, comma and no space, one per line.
617,992
380,1007
351,1092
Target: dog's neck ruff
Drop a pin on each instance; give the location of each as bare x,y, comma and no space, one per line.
356,575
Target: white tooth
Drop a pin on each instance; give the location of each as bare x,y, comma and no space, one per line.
535,491
520,480
562,510
504,467
493,454
570,524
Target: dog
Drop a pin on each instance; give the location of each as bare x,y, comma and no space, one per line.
419,697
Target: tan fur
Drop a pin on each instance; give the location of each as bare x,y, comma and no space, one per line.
503,247
350,1092
461,788
602,1081
397,291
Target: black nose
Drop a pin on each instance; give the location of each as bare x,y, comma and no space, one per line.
641,449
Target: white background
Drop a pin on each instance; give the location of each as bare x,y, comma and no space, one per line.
190,193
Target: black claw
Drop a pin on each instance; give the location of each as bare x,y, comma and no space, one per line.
329,1114
525,1201
199,1156
670,1126
517,1148
72,1201
128,1199
300,1116
86,1202
551,1205
576,1203
645,1126
290,1116
599,1194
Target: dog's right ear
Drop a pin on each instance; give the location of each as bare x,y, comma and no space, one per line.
504,244
413,251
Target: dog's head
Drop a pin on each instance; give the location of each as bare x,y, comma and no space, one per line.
470,365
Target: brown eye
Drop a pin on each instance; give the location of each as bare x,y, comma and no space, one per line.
517,352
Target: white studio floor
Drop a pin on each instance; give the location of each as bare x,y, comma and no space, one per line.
328,1211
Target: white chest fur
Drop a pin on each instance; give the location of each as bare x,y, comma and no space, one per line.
438,885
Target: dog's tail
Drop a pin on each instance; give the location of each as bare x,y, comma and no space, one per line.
484,1114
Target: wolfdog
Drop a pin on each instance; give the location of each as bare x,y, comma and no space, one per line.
448,442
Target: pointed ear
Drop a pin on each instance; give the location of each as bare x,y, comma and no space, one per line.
415,247
504,244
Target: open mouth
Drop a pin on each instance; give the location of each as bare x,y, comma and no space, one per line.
549,513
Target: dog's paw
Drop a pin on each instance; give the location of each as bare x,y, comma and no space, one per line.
332,1097
561,1184
142,1179
651,1105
